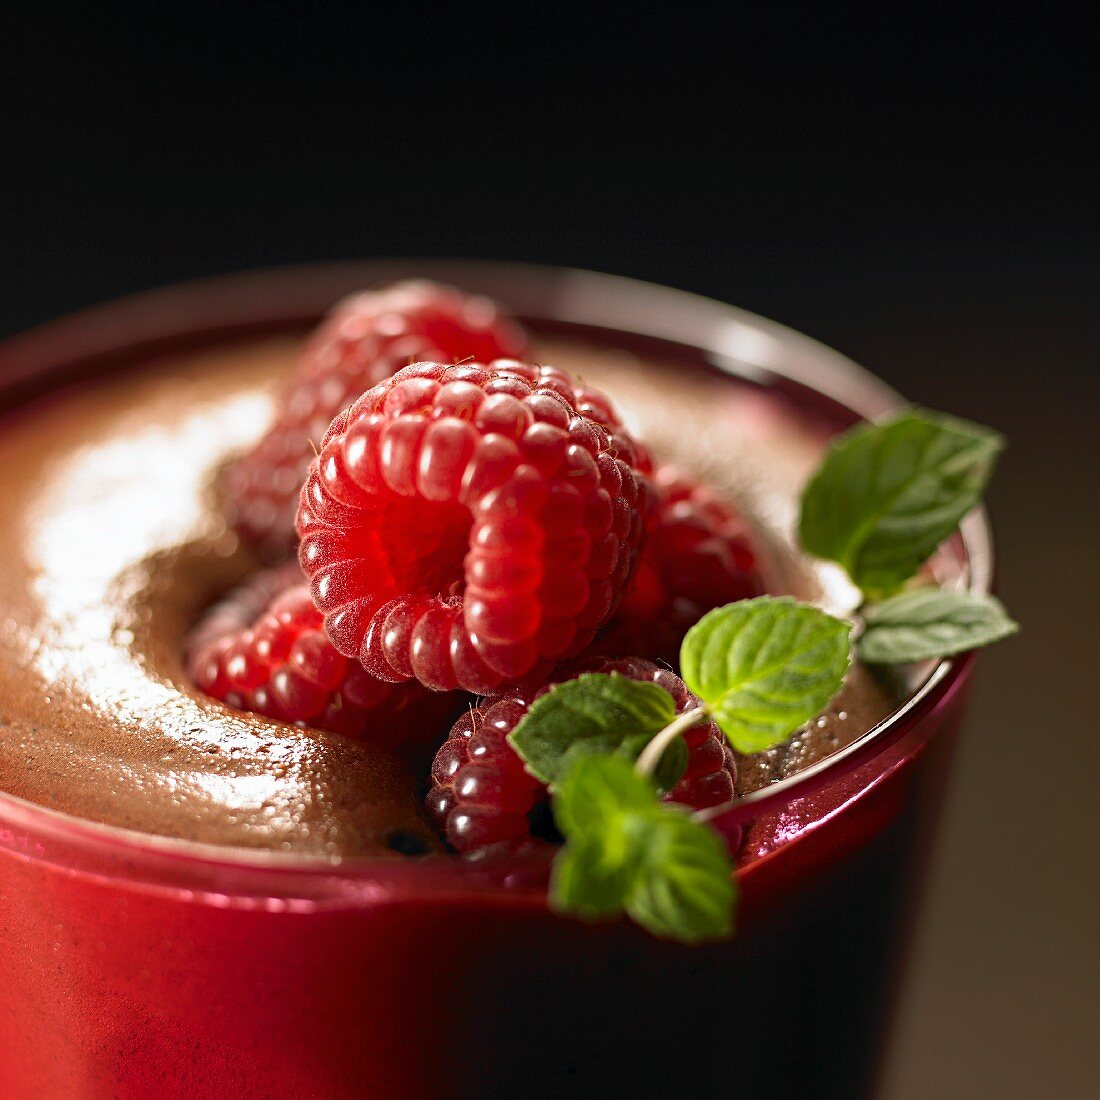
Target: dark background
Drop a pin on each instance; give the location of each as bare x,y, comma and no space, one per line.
910,183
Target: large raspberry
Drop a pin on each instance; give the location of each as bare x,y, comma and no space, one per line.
481,794
697,556
467,525
263,649
365,339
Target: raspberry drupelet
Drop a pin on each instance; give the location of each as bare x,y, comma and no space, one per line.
481,794
697,556
365,339
468,526
263,649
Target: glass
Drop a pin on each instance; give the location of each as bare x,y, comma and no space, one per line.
133,965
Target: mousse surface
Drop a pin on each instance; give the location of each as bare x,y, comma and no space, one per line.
115,543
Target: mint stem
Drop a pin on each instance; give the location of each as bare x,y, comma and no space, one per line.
651,755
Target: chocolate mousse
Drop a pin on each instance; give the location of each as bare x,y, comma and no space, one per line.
116,542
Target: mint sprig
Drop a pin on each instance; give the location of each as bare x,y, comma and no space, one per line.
625,852
929,622
765,666
886,495
884,498
608,746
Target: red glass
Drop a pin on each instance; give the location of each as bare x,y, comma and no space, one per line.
134,966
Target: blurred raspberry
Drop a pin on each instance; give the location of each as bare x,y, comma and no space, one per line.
697,556
364,340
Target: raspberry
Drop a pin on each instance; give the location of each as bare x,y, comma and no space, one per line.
697,556
263,649
481,793
468,525
365,339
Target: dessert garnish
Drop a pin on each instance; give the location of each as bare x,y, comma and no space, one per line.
483,794
364,339
474,522
697,555
471,525
885,497
929,622
264,649
882,501
609,747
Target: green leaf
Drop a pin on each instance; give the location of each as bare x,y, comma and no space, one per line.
596,790
627,852
886,495
600,808
765,666
597,713
593,875
929,622
686,889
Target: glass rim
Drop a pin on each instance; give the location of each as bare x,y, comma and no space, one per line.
271,300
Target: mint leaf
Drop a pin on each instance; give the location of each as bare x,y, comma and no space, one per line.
627,852
685,889
596,790
600,808
597,713
765,666
593,875
886,495
928,623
